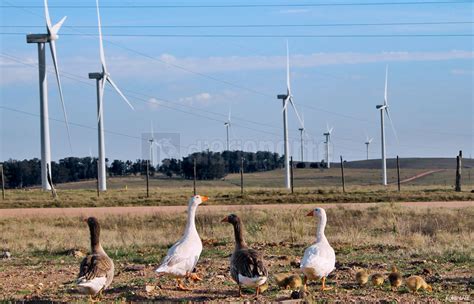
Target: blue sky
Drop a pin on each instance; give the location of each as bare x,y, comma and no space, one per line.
186,85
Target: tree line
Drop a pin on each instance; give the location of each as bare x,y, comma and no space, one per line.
209,165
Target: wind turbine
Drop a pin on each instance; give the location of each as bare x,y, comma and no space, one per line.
152,144
327,134
101,78
367,143
41,40
382,128
227,126
287,98
302,130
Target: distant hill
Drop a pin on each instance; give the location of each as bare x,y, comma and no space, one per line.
411,163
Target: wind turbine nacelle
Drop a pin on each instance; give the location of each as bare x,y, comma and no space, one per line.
282,96
37,38
95,75
379,107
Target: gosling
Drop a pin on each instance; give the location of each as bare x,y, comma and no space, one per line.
362,277
395,278
416,282
377,279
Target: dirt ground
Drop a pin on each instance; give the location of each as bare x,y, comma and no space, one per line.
143,210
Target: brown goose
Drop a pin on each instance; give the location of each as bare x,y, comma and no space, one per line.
246,265
97,269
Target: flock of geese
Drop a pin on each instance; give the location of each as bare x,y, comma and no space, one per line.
247,266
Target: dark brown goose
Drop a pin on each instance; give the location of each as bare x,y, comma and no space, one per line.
246,265
97,269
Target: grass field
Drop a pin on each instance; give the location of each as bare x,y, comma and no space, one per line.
311,186
435,243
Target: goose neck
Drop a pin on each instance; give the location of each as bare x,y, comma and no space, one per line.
320,235
191,224
239,239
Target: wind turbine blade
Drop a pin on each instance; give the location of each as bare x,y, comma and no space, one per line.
296,111
152,134
230,109
57,26
330,130
288,85
370,140
302,121
391,123
120,92
385,100
101,44
52,46
46,14
286,103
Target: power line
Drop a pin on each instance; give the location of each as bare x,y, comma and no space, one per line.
265,35
253,25
248,5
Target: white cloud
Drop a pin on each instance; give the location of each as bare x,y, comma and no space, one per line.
294,11
198,99
461,72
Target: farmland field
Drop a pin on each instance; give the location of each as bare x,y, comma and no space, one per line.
436,243
369,226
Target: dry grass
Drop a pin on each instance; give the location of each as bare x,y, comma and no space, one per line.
439,239
160,196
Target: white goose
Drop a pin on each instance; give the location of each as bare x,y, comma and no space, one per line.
319,259
184,255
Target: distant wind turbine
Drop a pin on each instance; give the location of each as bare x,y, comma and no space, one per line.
382,128
368,141
327,134
227,125
41,40
101,78
153,144
287,98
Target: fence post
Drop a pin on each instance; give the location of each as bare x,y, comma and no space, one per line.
458,172
291,175
194,177
398,173
2,176
342,176
97,184
242,176
147,178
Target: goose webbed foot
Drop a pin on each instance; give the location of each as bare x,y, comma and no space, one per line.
194,277
180,286
324,287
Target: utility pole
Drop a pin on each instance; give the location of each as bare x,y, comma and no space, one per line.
194,180
242,176
147,178
398,173
342,176
2,176
458,172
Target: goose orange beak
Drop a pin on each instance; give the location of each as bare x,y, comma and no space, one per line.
311,213
204,198
225,220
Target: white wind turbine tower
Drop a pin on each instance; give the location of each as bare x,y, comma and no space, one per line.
153,143
368,141
101,78
327,134
287,98
227,126
41,40
382,128
302,133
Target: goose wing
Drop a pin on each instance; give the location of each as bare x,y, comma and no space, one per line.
95,266
248,263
